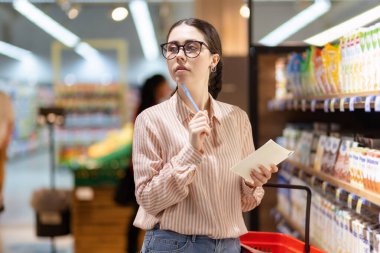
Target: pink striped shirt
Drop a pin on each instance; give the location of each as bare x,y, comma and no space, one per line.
182,189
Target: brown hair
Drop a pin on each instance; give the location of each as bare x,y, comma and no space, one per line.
215,47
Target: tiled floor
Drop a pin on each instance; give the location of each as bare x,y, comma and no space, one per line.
17,228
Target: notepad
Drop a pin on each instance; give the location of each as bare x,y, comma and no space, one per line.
269,153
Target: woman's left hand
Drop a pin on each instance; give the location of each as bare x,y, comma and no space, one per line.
261,178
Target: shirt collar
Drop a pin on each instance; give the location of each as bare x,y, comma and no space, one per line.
185,113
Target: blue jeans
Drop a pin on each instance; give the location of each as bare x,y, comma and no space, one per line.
166,241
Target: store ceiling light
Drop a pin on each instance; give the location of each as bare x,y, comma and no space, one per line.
144,26
339,30
244,11
46,23
73,12
87,52
296,23
53,28
119,14
14,52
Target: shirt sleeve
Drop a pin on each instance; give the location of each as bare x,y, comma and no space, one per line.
250,197
160,185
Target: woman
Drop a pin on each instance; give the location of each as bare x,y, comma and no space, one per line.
189,199
6,128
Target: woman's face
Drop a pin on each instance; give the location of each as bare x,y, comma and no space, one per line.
190,71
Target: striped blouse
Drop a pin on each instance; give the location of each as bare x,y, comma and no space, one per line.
184,190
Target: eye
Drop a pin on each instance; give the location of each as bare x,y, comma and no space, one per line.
192,46
172,48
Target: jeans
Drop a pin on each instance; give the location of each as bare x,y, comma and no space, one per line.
166,241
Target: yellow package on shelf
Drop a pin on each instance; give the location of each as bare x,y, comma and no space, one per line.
112,142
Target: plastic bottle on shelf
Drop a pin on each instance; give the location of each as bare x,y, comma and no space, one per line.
375,56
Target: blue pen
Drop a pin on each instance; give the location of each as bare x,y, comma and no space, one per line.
189,97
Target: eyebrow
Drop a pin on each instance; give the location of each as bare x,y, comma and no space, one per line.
177,42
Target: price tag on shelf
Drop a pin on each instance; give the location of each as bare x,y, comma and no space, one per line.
303,105
342,102
358,209
349,200
326,105
338,193
367,103
313,104
332,105
324,186
377,104
352,103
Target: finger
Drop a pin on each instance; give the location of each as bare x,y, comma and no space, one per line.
201,129
201,115
265,171
250,184
198,122
258,177
200,125
274,168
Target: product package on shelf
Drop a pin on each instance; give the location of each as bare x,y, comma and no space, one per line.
303,148
330,155
342,164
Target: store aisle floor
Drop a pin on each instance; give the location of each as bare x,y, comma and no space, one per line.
17,228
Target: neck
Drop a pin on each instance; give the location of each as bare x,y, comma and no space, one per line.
200,97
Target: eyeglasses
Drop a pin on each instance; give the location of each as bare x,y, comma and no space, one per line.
191,49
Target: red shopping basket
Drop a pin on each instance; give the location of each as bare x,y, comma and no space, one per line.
277,242
274,243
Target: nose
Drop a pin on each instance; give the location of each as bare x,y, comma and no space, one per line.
181,54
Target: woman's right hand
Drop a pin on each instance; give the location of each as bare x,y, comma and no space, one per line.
199,129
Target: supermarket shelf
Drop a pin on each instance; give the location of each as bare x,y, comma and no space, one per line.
343,95
296,227
363,193
329,103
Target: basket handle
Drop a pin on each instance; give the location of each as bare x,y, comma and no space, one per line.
308,205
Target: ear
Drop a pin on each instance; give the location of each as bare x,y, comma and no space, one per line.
215,59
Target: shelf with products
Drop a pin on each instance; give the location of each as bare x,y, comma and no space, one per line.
363,193
369,101
338,220
91,112
320,82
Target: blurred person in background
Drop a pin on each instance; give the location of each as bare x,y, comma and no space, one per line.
6,129
154,90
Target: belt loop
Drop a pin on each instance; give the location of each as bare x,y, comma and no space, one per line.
193,237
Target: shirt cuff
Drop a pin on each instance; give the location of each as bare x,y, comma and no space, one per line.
246,189
189,155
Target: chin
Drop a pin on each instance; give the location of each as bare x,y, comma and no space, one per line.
180,77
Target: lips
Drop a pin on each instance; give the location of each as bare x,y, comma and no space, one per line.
179,68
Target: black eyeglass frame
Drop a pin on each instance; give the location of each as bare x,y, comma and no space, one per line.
183,48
